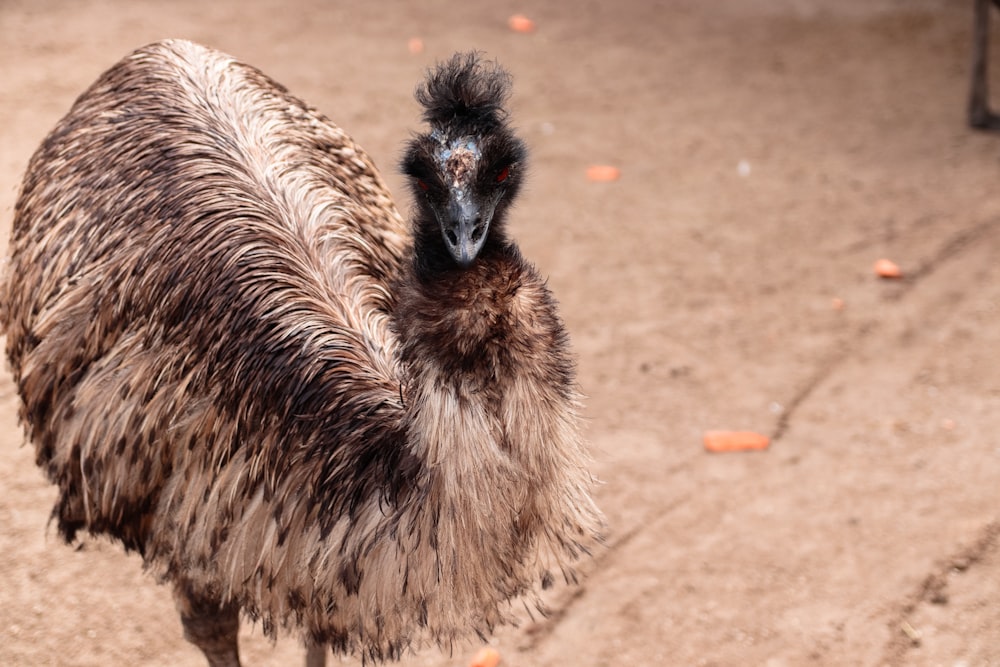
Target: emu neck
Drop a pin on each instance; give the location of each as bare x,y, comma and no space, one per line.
484,358
490,411
470,357
462,321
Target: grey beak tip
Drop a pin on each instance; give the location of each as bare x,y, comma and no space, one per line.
465,235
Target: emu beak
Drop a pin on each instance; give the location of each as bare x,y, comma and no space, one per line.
464,228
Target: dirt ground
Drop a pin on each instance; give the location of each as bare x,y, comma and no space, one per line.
770,152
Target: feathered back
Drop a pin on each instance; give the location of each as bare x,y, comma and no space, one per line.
465,94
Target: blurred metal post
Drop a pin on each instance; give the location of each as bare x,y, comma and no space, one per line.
980,115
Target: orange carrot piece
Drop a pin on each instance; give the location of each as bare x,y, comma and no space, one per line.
521,23
486,657
886,268
735,441
415,45
603,173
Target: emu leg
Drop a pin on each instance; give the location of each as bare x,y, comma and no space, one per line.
980,115
316,655
210,626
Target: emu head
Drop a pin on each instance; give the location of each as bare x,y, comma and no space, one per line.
467,169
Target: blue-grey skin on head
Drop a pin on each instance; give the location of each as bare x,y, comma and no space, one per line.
464,220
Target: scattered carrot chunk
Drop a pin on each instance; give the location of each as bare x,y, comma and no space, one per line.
735,441
603,173
486,657
415,45
837,303
521,23
886,268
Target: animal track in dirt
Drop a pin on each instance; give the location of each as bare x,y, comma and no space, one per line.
933,589
951,249
557,610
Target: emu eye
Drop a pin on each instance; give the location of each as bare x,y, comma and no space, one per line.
503,174
422,184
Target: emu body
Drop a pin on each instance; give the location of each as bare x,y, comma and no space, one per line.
235,357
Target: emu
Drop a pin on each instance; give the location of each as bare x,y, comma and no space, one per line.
235,358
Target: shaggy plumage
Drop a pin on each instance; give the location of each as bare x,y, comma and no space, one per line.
237,359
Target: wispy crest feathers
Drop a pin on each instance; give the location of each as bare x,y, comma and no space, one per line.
465,90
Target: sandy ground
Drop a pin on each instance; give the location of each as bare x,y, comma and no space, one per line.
770,152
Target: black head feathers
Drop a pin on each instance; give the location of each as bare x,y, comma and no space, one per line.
467,170
465,93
